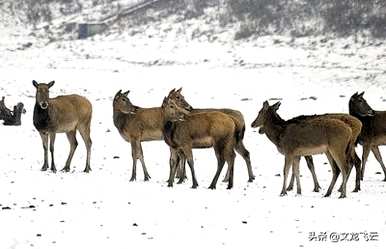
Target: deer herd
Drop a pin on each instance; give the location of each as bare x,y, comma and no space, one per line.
184,128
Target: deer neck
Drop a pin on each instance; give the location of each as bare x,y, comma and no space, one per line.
168,128
274,126
41,117
119,119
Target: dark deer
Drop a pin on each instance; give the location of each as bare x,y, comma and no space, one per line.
63,114
136,125
11,117
184,131
374,129
304,138
237,116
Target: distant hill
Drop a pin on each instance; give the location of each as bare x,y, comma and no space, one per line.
193,19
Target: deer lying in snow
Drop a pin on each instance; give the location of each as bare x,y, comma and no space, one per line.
68,114
184,131
304,138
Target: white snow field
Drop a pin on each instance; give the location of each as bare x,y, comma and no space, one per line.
103,209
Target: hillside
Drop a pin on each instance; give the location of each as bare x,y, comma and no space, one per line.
210,20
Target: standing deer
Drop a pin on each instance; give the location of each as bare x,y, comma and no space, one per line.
355,125
136,125
304,138
63,114
374,129
184,131
238,118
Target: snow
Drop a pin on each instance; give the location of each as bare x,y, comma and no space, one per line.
104,210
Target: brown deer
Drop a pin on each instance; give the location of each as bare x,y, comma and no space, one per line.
304,138
184,131
237,116
374,129
63,114
355,125
136,125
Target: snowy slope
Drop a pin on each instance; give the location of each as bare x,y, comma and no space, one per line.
104,210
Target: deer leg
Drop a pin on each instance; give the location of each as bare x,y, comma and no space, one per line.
173,162
71,136
292,181
354,159
85,133
311,167
220,164
295,169
189,157
134,154
357,164
240,149
287,165
141,158
335,174
230,158
52,147
378,156
365,155
44,138
181,169
341,161
227,175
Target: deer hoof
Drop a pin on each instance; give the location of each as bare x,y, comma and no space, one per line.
66,169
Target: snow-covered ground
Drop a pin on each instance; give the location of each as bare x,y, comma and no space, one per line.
104,210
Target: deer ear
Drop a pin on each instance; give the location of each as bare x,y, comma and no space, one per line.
361,94
276,106
117,94
179,90
35,83
126,93
51,84
265,104
164,102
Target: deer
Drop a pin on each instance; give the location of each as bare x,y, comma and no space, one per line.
62,114
304,138
355,125
184,131
11,117
136,125
236,115
373,132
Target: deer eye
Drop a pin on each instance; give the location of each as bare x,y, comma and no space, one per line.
171,106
